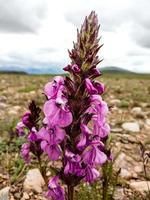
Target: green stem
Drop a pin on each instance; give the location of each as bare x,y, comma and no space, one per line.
105,183
70,192
105,189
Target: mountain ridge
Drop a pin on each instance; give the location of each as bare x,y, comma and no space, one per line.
56,70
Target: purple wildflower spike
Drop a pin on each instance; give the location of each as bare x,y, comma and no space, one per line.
74,128
30,123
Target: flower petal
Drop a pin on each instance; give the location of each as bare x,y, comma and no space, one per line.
53,152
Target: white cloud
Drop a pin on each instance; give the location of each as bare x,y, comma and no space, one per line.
38,33
21,15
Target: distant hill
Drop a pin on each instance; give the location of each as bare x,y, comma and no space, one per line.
53,69
113,69
12,72
30,70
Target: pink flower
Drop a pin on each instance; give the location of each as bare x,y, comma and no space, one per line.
57,113
27,120
94,87
53,151
94,72
99,87
55,191
91,174
75,69
20,128
85,132
99,108
51,137
89,86
101,130
32,137
72,163
93,155
25,149
53,134
51,89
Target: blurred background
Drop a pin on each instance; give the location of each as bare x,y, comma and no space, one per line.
34,38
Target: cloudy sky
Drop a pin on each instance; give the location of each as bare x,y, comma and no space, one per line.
37,33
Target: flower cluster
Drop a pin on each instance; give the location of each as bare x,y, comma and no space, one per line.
28,127
75,129
74,125
75,115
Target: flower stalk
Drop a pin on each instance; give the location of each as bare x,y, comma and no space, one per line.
70,192
74,129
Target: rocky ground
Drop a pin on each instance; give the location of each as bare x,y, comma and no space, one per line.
129,99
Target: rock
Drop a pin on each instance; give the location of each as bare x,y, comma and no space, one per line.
128,174
126,164
137,112
115,102
11,197
125,173
4,193
131,126
119,194
143,104
126,139
116,130
25,196
140,186
14,110
3,105
148,122
3,99
17,195
138,169
120,161
34,181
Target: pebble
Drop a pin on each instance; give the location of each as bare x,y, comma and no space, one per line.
116,130
119,194
4,193
17,195
34,181
3,98
25,196
131,126
148,122
137,112
140,186
126,164
115,102
3,105
127,174
14,110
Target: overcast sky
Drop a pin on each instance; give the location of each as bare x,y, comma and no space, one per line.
37,33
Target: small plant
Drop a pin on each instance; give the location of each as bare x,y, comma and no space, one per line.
74,129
